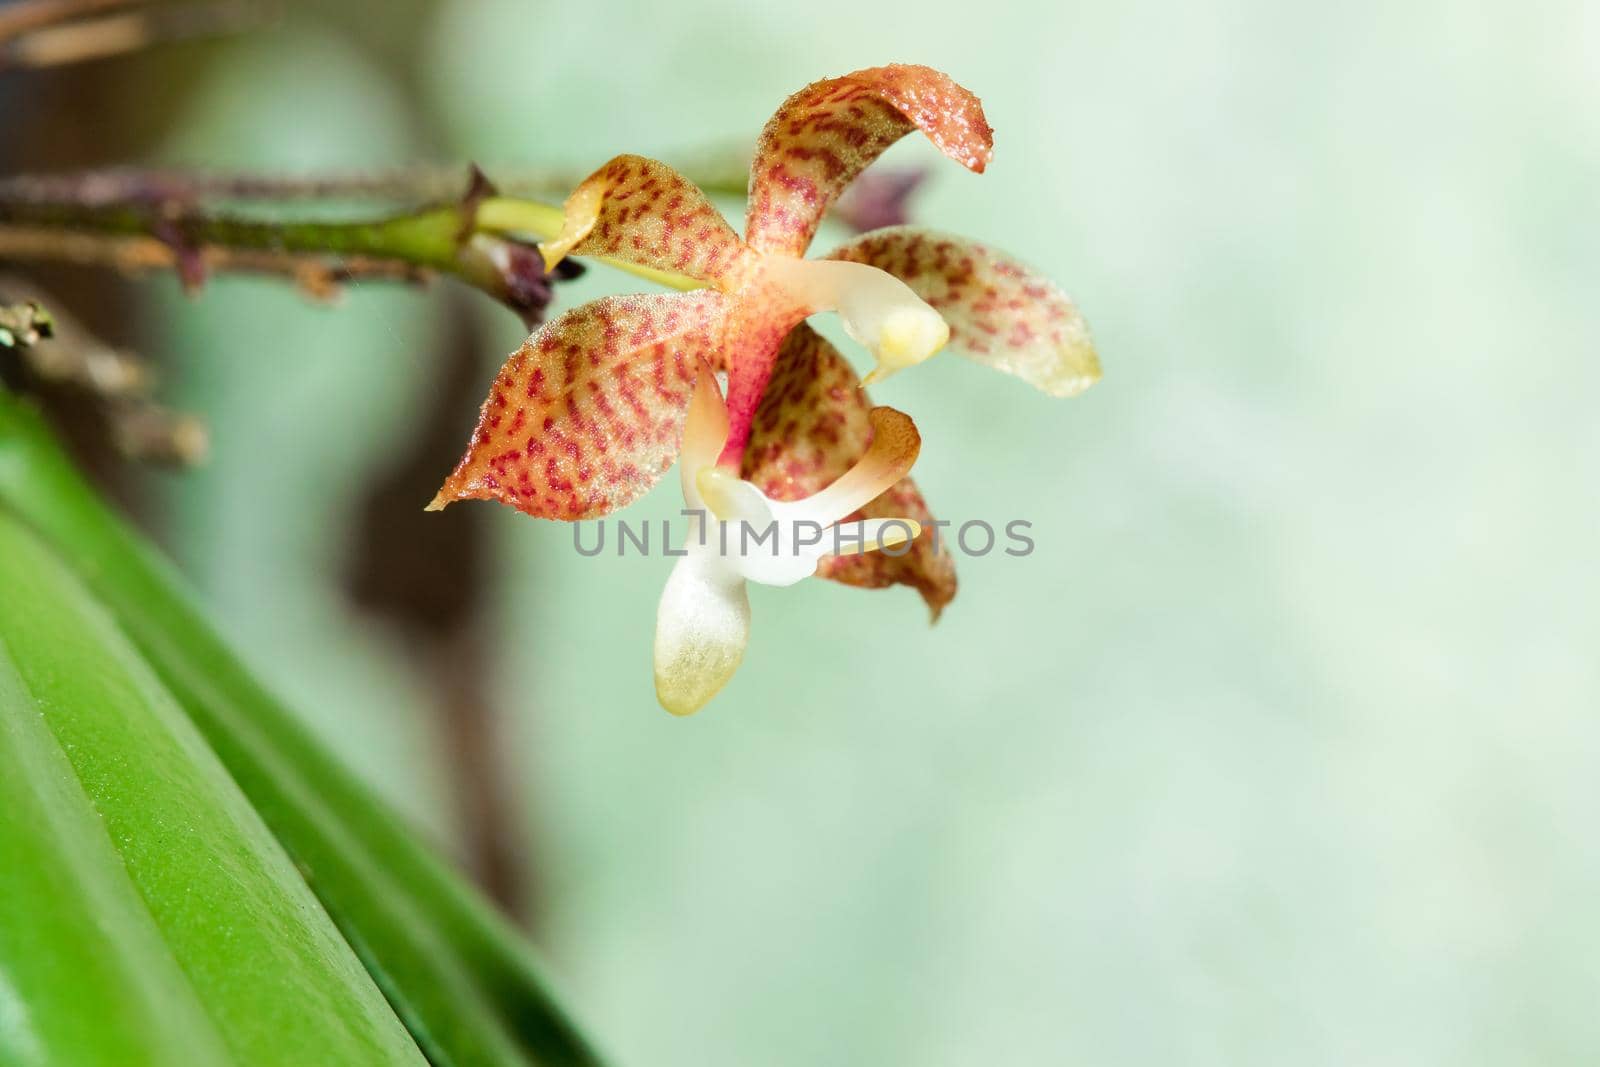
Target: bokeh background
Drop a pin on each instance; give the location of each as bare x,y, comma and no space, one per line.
1281,747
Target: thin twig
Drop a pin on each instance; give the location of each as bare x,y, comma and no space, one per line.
422,183
60,354
319,277
415,184
484,240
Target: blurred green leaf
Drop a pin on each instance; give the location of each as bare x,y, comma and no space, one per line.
462,979
149,915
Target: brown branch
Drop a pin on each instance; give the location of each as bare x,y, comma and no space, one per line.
129,31
419,184
62,356
150,433
318,276
720,172
27,16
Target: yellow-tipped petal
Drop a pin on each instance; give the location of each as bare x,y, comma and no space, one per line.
702,627
877,309
869,535
908,336
892,532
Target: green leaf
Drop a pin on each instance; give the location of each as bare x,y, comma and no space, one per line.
462,979
149,915
74,930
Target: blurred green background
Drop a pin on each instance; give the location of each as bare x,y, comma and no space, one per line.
1280,748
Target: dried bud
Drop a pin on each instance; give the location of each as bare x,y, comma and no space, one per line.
24,325
186,254
515,273
879,198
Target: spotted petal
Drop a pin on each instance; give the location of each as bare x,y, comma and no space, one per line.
1000,313
813,425
826,134
893,445
643,211
586,415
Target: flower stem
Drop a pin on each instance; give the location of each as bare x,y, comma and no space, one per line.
476,242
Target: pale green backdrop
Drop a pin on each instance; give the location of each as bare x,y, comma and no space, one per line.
1282,746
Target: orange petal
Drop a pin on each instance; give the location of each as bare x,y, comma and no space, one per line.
813,425
645,212
824,135
587,414
761,315
1001,313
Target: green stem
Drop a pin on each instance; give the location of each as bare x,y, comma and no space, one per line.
438,239
517,218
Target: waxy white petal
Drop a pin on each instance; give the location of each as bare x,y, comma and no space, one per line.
702,627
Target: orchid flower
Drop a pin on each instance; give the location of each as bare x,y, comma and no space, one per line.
738,534
590,412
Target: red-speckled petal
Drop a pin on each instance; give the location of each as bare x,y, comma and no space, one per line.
1000,313
762,315
643,211
588,413
812,427
824,135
